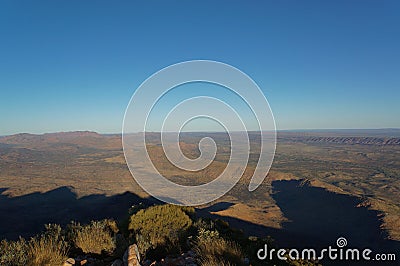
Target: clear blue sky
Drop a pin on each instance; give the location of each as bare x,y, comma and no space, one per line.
73,65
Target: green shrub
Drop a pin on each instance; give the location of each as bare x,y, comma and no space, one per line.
143,244
95,238
162,226
13,252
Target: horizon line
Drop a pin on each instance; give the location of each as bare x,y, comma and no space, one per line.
204,131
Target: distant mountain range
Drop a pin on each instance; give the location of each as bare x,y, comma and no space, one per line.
337,136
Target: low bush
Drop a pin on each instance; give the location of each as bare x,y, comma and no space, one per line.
162,227
143,244
213,250
94,238
13,252
49,248
160,224
159,231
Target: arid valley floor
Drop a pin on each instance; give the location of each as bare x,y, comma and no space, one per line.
59,177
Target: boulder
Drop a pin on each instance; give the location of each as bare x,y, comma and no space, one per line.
132,256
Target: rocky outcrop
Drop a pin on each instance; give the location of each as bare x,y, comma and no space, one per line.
132,256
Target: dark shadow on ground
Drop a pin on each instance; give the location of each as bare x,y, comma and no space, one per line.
317,217
219,206
26,215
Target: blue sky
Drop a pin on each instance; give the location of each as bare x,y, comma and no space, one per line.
73,65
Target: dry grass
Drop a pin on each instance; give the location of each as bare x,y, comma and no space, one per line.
270,216
94,238
215,262
214,250
46,251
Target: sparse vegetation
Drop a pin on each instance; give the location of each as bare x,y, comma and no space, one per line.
46,251
161,224
13,252
215,250
337,163
158,231
96,237
162,227
48,248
